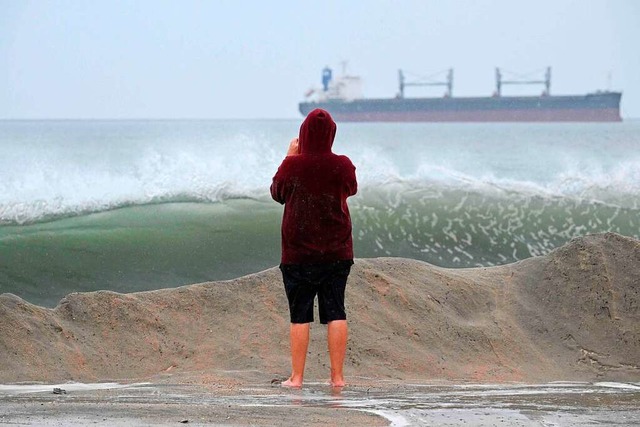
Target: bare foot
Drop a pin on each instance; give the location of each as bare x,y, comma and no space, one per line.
337,383
292,383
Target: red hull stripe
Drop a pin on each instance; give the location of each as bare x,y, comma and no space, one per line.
528,115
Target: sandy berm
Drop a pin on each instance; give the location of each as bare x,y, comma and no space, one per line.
571,315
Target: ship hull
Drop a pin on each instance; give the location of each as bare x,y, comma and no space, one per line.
599,107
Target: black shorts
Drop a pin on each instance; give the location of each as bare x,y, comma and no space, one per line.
303,281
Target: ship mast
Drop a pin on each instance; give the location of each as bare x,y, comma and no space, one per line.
500,82
402,83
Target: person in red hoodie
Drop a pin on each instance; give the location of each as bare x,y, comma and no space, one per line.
313,183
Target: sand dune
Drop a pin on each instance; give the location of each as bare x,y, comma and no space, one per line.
571,315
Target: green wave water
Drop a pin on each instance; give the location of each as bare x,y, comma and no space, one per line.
165,245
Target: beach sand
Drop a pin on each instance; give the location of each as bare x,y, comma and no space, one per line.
385,403
572,315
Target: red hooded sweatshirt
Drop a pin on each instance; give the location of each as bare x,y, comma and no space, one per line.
314,186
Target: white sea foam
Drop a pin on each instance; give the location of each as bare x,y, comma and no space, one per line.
57,169
622,386
66,387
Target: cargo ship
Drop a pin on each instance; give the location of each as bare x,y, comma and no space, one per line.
342,97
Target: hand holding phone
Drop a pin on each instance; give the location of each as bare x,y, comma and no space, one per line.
294,147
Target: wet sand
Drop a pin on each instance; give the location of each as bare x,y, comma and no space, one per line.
387,403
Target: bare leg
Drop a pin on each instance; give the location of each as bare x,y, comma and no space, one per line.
299,336
337,338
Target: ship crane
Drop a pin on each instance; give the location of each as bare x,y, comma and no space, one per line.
448,83
342,98
500,82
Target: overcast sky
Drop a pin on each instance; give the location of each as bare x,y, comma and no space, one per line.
255,59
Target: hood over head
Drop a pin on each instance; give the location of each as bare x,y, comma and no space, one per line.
317,132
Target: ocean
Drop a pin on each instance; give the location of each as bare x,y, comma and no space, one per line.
139,205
